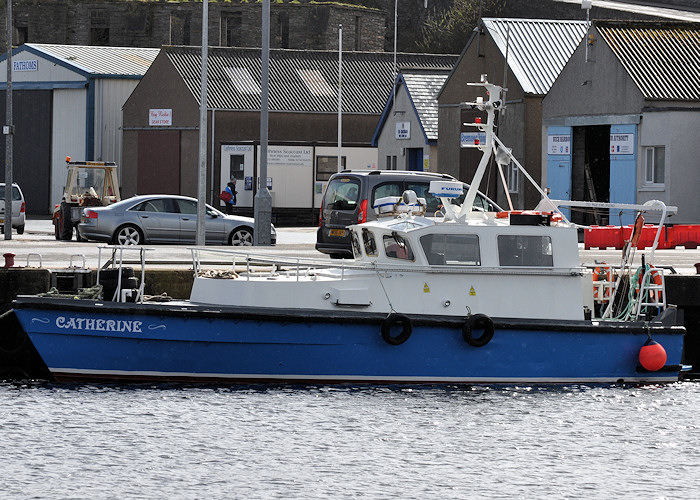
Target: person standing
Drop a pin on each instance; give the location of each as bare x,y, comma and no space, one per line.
231,189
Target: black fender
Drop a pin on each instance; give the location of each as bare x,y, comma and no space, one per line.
392,321
478,322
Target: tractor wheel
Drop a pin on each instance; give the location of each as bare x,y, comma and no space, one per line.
66,224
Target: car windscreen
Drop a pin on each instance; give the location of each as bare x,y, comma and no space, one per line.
342,193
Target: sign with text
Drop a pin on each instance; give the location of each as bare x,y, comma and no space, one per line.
558,144
403,130
28,65
160,117
289,155
621,144
467,139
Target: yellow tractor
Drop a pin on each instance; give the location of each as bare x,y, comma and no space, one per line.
88,184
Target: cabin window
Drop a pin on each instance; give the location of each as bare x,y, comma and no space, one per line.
369,243
397,247
451,249
521,250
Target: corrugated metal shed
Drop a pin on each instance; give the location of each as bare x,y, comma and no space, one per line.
99,61
300,81
537,49
662,60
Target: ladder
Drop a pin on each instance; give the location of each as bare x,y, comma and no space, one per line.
588,181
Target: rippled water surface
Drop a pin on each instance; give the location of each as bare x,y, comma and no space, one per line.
80,441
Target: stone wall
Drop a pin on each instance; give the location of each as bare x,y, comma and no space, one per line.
138,23
294,24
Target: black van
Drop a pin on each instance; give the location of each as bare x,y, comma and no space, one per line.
350,196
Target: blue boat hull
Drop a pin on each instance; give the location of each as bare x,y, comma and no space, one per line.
85,340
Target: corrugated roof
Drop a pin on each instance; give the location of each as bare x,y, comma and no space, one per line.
537,49
108,61
423,88
299,79
663,60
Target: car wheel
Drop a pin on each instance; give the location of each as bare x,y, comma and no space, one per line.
128,235
56,229
241,237
20,229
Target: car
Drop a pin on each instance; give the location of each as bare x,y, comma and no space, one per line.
350,196
18,208
163,218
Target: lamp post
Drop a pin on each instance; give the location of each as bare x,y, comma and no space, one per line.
202,171
8,129
263,200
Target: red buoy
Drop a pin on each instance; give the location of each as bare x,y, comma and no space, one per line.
652,356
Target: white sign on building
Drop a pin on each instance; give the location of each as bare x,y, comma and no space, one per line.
403,130
160,117
559,144
621,144
468,139
292,156
28,65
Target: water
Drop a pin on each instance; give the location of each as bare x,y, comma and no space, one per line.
82,441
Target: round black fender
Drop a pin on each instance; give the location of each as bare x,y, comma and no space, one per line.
477,322
393,321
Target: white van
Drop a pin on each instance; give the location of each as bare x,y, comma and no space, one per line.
18,208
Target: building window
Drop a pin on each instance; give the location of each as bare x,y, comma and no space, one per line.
99,27
655,167
231,27
358,33
391,162
180,28
283,30
21,35
327,166
513,178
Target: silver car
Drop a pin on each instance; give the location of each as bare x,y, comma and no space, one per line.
163,218
18,208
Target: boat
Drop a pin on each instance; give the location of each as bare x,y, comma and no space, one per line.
460,297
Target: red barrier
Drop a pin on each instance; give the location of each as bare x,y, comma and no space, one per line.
602,237
687,236
615,236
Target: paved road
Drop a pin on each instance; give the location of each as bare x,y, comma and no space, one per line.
38,242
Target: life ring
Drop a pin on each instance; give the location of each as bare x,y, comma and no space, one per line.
602,273
392,321
478,322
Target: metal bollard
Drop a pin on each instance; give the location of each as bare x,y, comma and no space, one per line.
9,259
